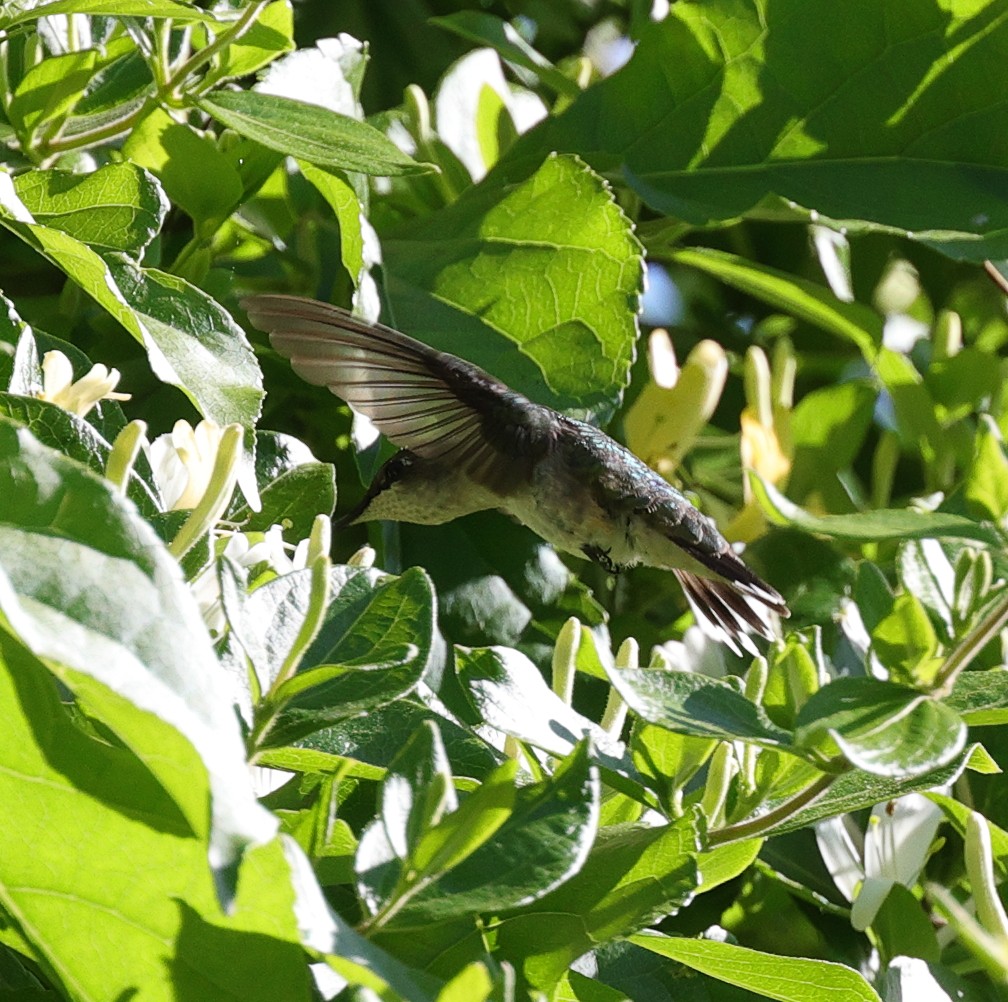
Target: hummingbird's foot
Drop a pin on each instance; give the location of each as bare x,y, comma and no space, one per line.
601,557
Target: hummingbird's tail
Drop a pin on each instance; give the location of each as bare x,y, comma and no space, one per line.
729,611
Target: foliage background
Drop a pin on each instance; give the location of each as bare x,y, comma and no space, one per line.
506,774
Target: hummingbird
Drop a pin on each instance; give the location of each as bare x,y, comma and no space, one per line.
468,442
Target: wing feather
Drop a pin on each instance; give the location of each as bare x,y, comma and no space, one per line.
439,407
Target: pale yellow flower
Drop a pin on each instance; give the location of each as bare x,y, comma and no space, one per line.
676,404
59,387
183,462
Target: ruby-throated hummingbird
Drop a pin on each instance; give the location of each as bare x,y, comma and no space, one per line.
468,443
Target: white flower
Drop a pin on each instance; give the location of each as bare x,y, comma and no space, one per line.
318,75
58,386
183,462
457,107
892,851
246,551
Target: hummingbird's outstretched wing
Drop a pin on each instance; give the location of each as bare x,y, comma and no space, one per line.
437,406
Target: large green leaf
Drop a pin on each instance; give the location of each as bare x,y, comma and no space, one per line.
118,207
633,876
374,645
191,341
864,113
537,282
89,588
96,853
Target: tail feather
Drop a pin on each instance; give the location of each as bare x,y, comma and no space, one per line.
729,610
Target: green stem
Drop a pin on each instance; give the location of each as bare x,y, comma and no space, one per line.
172,87
93,137
971,645
755,827
168,92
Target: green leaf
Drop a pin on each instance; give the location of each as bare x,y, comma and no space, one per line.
292,500
872,594
271,34
118,207
986,486
70,800
376,642
191,341
873,526
906,643
904,928
49,91
696,705
90,588
182,12
809,301
197,176
857,790
387,877
927,575
880,727
346,207
669,760
828,428
632,876
532,848
916,420
267,622
980,697
310,132
485,29
749,114
416,794
537,282
793,676
789,979
74,437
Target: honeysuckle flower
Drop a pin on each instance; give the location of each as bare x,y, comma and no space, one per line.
319,75
247,550
608,48
80,396
457,108
764,445
183,462
674,406
893,850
